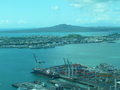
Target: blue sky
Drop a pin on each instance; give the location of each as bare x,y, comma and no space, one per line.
44,13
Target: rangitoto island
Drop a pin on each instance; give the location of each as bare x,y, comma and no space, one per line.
62,28
40,42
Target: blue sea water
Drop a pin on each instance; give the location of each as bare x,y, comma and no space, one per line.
58,33
16,64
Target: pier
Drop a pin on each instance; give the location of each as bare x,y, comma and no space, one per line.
71,76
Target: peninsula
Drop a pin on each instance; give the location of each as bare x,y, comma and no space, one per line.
38,42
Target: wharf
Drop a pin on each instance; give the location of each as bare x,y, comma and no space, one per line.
77,81
91,84
100,78
30,85
70,85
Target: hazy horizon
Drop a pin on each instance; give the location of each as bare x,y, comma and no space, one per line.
60,25
38,13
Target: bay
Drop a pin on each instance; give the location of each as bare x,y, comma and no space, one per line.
57,34
16,64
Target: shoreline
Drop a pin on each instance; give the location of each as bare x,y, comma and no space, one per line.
44,42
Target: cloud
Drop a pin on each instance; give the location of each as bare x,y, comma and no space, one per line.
22,21
4,21
100,7
106,0
76,5
81,3
84,21
87,1
102,18
55,8
91,1
93,19
95,5
96,11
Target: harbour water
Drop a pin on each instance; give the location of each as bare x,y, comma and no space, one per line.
16,64
58,33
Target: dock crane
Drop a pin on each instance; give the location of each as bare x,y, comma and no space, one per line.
69,68
38,62
66,66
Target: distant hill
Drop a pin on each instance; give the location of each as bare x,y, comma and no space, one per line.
65,28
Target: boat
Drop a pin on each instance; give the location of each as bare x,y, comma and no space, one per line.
44,71
68,69
36,85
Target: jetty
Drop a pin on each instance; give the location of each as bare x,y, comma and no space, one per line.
37,85
74,76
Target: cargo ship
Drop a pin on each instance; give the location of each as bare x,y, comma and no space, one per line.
67,69
43,71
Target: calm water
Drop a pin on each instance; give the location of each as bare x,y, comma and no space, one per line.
58,33
16,64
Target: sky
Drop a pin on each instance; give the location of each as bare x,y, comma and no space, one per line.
45,13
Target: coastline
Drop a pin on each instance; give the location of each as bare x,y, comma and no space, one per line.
43,42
